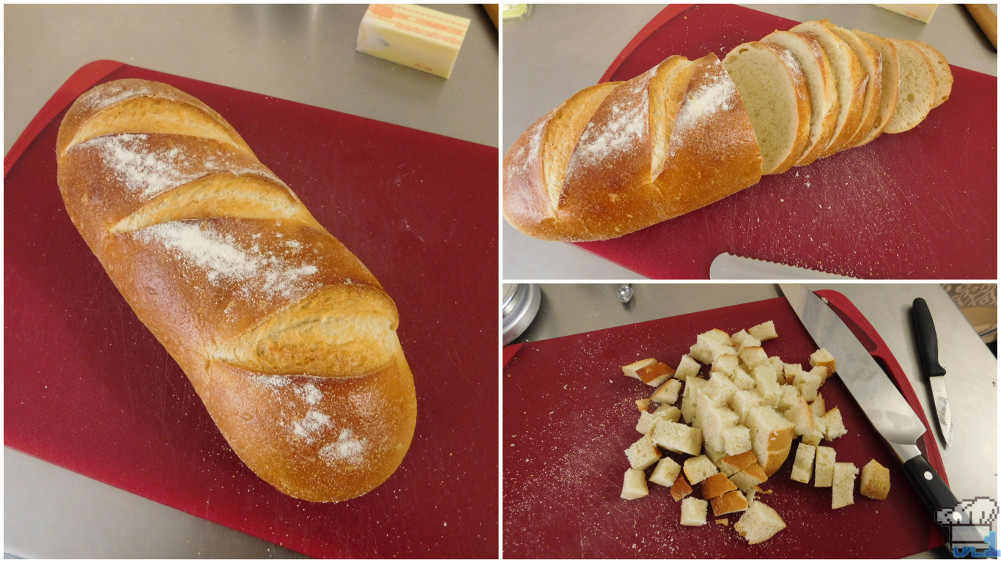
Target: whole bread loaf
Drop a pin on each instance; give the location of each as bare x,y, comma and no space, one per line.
618,157
286,336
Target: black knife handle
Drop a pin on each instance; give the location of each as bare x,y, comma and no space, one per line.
924,329
934,493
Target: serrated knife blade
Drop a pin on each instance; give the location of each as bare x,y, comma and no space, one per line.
878,398
728,266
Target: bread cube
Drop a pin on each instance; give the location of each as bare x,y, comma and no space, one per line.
642,453
802,467
742,379
790,372
687,367
766,384
649,371
875,481
834,426
733,463
753,356
719,389
693,512
779,367
632,370
743,401
699,468
676,437
668,392
711,345
764,331
823,358
771,437
843,489
725,364
690,397
759,523
749,477
680,489
643,405
808,384
823,474
634,485
646,422
666,472
668,412
716,485
714,421
743,339
789,397
802,417
733,501
818,407
814,437
736,439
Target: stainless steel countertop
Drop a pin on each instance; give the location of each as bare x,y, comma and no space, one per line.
300,53
970,463
561,49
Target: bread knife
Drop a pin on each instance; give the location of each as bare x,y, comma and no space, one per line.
879,399
731,267
927,340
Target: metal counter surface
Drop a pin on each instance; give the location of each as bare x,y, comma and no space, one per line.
970,463
561,49
300,53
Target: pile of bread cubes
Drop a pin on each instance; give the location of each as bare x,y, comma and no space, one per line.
735,429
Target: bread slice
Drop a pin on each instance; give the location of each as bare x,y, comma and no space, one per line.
849,78
891,82
634,485
777,99
872,66
943,74
824,103
875,481
843,489
759,523
917,87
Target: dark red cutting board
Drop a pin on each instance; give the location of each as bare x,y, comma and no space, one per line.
87,387
920,204
569,413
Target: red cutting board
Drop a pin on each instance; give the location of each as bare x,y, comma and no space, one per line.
569,413
915,205
87,387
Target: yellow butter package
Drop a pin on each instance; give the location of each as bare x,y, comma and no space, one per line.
413,36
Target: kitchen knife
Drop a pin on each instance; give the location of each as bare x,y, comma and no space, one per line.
927,339
879,399
732,267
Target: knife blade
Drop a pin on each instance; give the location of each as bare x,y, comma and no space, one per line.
927,340
728,266
879,400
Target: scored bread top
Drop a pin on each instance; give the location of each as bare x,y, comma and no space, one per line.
850,79
824,103
239,282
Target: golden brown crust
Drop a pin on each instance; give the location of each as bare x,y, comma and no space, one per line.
287,337
599,200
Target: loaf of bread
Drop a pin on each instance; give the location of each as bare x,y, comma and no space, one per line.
618,157
288,339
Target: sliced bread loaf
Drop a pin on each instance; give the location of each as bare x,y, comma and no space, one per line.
917,87
824,103
777,99
891,82
943,74
872,66
848,76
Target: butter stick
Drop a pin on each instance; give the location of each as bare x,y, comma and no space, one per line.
412,36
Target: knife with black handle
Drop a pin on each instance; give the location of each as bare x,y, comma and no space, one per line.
927,341
879,400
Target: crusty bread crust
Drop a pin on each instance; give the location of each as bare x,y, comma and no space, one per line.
872,66
640,180
285,335
891,82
